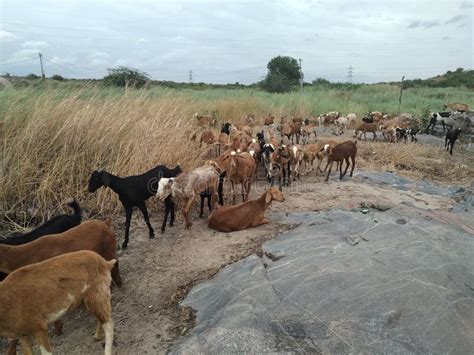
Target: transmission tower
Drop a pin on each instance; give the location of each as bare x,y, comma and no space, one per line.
350,73
190,76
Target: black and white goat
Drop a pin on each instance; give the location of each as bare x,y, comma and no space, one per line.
134,190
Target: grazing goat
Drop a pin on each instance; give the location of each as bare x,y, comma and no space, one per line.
441,117
38,294
457,106
245,215
204,120
450,139
92,235
306,131
270,119
187,186
341,124
267,151
342,151
364,128
55,225
134,190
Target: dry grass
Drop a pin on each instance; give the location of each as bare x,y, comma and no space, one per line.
51,144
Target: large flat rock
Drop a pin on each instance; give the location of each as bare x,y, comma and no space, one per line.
393,282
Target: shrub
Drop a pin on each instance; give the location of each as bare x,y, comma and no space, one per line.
123,76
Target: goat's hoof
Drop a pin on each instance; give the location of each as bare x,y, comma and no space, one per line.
188,225
152,236
96,339
171,224
124,246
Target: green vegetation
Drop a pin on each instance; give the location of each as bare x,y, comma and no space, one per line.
123,76
283,75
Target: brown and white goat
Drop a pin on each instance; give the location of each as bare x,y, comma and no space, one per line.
339,153
92,235
38,294
244,215
187,187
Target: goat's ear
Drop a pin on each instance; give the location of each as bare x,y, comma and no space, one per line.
268,197
105,178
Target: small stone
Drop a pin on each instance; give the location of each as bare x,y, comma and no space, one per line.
365,211
401,221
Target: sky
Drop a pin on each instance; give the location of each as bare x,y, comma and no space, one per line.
232,41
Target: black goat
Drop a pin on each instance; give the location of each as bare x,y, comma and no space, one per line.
134,190
451,137
401,133
368,119
55,225
226,128
412,132
207,194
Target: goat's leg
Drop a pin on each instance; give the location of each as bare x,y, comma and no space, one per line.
347,166
58,327
187,209
142,207
329,171
353,158
41,338
232,184
375,136
26,346
167,211
128,217
201,209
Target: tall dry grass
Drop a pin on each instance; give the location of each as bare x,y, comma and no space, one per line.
52,140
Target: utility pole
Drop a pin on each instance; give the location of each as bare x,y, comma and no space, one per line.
190,76
350,73
301,74
41,64
400,99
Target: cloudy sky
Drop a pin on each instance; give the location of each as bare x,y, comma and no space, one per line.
229,41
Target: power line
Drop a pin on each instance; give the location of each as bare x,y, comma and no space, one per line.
19,61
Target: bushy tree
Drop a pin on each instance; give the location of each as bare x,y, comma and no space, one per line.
57,77
32,76
283,74
124,76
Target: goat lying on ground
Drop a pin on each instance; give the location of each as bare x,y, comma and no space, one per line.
245,215
134,191
450,139
187,186
342,151
41,293
55,225
92,235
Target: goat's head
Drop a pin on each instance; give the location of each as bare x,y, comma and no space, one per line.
226,128
164,188
260,136
267,150
274,194
176,170
97,180
214,165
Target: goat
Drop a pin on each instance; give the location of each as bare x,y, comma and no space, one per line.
92,235
245,215
55,225
341,124
377,116
450,139
296,157
270,119
187,186
226,128
342,151
241,168
364,128
134,191
401,133
281,166
41,293
306,131
440,117
207,137
267,151
206,194
204,120
457,106
255,150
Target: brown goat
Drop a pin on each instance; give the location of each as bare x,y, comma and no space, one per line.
241,169
205,120
51,288
364,128
245,215
92,235
269,120
342,151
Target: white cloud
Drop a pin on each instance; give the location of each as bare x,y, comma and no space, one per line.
6,36
34,44
24,54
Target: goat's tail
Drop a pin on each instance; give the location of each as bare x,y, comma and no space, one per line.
77,209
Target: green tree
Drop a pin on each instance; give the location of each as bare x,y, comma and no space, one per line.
57,77
283,74
124,76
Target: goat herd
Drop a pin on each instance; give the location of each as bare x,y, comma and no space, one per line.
64,263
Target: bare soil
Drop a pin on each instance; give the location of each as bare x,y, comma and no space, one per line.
158,273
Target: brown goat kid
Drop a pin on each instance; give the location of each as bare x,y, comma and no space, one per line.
364,128
241,169
342,151
92,235
245,215
38,294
